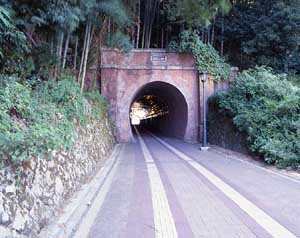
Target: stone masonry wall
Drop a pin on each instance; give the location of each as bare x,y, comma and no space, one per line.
222,132
30,194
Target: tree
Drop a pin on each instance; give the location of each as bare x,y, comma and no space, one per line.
11,39
264,33
96,15
58,32
195,13
69,34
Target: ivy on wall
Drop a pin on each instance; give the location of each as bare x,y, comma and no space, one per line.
206,57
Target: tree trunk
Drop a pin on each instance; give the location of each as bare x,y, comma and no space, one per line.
222,35
75,54
213,32
83,53
109,25
162,38
167,37
52,50
66,51
157,28
150,23
86,55
143,36
145,23
52,45
61,43
149,38
138,24
102,31
208,35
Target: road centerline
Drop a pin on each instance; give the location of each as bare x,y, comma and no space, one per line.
163,219
263,219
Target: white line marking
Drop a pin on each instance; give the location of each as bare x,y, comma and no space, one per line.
163,219
89,218
267,170
64,225
267,222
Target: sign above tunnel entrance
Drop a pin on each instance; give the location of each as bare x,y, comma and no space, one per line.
173,77
159,58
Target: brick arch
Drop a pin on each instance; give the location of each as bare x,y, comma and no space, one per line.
123,75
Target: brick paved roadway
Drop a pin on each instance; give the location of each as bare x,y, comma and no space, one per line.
171,189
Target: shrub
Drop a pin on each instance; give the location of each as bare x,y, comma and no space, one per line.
99,103
119,40
39,117
267,107
65,94
206,57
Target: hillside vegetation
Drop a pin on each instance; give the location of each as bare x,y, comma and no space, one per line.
39,117
42,40
266,106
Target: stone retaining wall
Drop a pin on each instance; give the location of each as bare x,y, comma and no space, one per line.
222,132
31,193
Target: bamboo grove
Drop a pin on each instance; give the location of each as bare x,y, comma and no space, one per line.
58,35
47,37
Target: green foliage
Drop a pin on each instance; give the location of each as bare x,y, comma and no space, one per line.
65,94
207,58
116,10
195,13
295,79
42,29
266,106
39,117
119,40
264,33
5,18
18,65
43,59
66,16
11,38
99,103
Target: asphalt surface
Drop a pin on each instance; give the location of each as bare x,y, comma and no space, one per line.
164,187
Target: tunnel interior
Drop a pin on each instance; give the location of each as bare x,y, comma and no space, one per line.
161,108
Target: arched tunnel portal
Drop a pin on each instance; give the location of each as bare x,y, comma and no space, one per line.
160,108
166,82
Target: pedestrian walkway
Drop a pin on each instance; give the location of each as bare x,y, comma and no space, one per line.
165,188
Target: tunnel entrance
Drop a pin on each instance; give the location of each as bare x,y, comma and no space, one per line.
160,108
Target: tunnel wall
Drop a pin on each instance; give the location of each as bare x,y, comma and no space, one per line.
123,75
174,123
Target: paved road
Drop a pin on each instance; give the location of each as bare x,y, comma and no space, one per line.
162,187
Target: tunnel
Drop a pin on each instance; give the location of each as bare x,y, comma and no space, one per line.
161,108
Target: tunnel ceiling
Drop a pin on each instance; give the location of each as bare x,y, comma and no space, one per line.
151,105
162,96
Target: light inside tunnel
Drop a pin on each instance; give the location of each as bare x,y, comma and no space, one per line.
149,106
161,108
